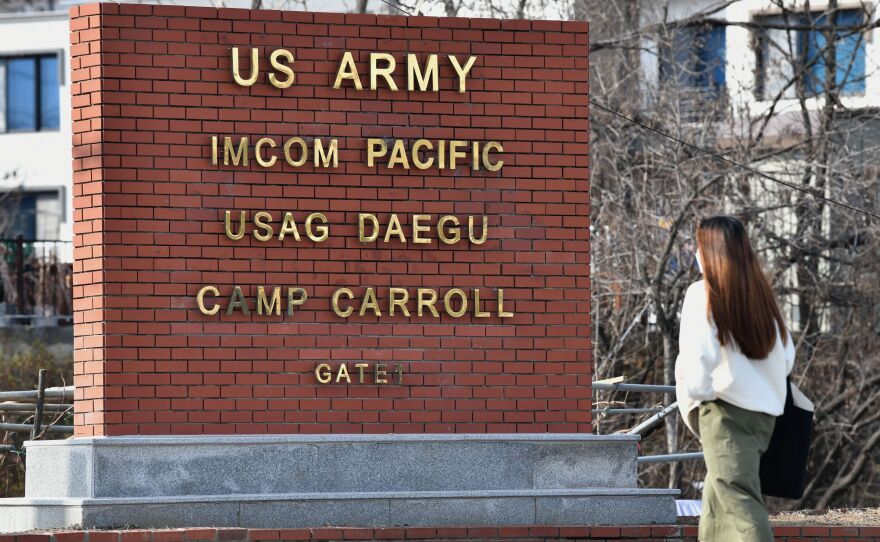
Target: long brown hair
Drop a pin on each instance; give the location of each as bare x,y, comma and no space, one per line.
740,300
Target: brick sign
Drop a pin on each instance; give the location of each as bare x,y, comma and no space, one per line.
320,223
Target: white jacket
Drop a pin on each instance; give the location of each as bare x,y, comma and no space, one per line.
705,370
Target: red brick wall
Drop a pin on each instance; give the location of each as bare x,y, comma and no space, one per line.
151,84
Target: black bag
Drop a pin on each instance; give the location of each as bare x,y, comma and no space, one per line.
784,464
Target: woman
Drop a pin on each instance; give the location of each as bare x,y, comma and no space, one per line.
734,355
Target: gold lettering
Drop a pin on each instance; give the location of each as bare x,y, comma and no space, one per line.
447,302
478,240
453,234
304,151
295,301
200,300
260,225
275,60
398,155
416,157
501,312
418,228
379,373
255,68
259,156
347,70
398,298
237,301
288,226
237,157
454,152
322,373
240,234
370,302
394,228
427,297
345,313
323,229
360,367
492,166
323,159
462,72
385,73
376,148
343,373
414,73
264,303
362,218
477,312
475,154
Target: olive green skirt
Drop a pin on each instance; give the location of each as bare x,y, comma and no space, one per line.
733,440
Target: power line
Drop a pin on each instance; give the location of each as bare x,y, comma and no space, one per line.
732,162
398,8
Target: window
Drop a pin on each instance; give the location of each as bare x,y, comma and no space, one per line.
790,57
694,58
31,88
21,215
31,214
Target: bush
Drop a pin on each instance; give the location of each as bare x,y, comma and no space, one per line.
19,370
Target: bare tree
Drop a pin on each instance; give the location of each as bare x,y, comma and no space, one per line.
10,196
648,191
502,9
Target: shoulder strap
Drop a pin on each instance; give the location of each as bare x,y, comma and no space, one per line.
789,396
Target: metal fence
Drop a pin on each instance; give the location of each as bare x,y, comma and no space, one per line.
38,412
36,282
649,424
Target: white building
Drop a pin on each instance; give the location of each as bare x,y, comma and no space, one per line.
35,126
36,189
35,136
748,60
727,52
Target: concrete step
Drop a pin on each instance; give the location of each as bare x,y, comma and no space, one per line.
593,506
354,480
254,464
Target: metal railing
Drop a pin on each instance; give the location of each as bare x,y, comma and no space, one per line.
642,428
667,458
41,405
622,386
64,394
36,282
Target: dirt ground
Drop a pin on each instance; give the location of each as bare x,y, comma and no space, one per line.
853,517
844,517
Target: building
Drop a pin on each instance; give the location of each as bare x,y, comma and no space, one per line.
35,124
753,73
36,200
36,209
35,150
752,52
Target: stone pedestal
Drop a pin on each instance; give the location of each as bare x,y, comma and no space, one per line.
342,480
